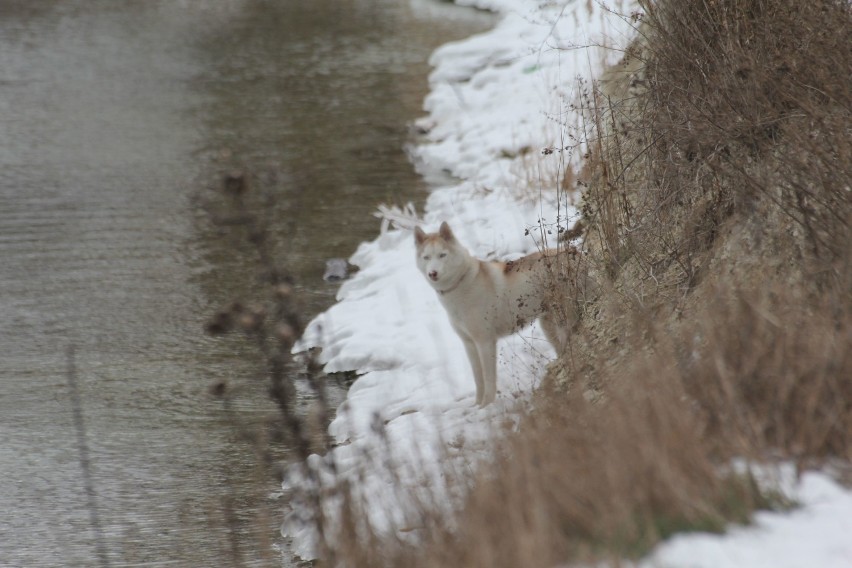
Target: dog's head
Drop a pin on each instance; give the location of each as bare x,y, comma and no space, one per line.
440,257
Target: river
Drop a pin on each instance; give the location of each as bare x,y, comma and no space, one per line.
118,121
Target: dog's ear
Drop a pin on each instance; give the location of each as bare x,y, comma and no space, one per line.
445,232
419,236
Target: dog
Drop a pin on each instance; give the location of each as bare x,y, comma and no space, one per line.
487,300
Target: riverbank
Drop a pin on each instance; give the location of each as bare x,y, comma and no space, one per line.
502,121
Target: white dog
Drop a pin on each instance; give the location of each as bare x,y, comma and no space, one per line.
489,300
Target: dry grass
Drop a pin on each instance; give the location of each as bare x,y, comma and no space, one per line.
766,112
720,215
741,103
771,375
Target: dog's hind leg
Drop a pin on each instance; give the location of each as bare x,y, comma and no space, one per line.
556,334
488,361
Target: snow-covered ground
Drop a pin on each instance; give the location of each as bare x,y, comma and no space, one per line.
497,101
818,533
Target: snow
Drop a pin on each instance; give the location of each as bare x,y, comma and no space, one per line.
817,533
497,99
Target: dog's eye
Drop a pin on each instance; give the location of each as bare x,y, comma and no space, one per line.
442,255
427,257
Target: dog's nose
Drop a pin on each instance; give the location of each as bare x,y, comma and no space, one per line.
433,275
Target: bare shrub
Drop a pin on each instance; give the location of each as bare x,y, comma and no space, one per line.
271,322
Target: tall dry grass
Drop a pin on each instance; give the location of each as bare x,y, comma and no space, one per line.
745,101
772,375
758,91
719,201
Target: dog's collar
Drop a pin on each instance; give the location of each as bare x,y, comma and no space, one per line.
456,285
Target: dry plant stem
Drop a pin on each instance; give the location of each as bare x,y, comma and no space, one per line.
273,330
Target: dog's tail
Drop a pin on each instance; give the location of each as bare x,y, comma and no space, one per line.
573,233
400,217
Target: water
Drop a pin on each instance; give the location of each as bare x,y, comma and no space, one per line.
117,122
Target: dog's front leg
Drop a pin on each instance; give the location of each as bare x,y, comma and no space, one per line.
473,357
488,362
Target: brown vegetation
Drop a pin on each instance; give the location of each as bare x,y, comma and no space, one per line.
720,214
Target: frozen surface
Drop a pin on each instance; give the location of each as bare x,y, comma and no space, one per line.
497,100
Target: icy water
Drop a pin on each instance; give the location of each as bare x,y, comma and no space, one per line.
118,120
